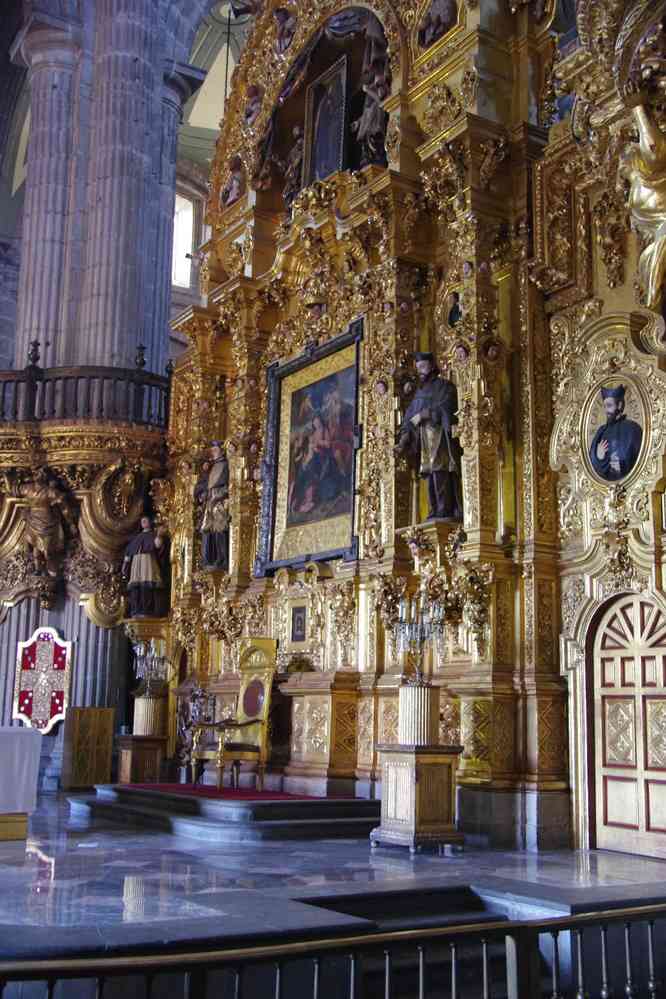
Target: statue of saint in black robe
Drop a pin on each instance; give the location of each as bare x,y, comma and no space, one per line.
212,490
617,443
146,569
426,434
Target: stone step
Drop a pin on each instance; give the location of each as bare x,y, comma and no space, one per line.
215,829
242,810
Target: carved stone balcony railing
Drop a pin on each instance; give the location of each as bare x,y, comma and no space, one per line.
115,395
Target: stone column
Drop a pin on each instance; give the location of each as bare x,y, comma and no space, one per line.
113,314
180,82
52,55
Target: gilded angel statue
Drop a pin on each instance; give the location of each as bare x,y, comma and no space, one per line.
643,166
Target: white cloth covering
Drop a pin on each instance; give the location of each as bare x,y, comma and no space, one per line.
20,749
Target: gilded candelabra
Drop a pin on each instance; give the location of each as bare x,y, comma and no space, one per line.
420,620
152,669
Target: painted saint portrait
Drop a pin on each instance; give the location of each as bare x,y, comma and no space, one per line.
326,123
321,449
616,433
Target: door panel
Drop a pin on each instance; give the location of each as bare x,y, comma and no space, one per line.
630,728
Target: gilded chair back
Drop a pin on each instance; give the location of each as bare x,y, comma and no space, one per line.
257,672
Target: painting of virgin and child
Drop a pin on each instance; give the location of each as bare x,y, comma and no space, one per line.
321,449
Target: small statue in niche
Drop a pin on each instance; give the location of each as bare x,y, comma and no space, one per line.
286,28
293,168
427,435
212,490
439,18
455,310
146,569
253,106
49,516
235,185
370,129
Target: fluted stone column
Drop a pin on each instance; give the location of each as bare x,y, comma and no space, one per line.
136,110
52,55
180,82
113,311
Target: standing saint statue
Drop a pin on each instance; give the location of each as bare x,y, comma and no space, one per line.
292,168
48,513
212,490
146,569
426,434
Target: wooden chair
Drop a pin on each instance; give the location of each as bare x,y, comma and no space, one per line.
257,672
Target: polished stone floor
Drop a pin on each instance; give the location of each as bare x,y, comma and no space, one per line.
107,884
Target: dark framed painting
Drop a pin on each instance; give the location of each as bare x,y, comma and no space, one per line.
298,623
326,114
312,439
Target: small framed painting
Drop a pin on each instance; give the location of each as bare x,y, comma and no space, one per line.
298,624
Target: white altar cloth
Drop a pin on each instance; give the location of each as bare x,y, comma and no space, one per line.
20,749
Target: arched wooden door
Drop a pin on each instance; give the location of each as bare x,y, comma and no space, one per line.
630,727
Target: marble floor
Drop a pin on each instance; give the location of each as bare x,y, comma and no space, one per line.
77,887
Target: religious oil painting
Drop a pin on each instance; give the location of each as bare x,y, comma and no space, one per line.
615,425
312,439
326,123
321,449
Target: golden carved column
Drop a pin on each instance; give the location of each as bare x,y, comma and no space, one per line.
473,341
542,756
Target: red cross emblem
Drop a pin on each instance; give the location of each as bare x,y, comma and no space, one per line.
42,679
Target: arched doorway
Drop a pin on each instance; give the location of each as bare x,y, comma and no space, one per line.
629,706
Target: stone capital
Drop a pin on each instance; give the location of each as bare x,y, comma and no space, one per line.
181,81
47,42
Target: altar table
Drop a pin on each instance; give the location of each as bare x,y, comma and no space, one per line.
20,749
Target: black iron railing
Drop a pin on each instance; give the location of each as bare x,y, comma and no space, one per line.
617,952
128,395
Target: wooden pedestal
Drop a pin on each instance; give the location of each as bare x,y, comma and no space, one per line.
140,758
88,747
418,797
13,826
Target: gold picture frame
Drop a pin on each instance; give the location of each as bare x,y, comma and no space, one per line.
306,518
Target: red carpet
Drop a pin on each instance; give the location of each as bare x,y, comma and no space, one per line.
228,793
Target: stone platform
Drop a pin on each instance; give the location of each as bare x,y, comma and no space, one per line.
223,819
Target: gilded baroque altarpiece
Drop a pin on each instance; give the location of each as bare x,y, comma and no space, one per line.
494,228
498,235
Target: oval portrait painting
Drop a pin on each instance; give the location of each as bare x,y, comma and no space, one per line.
615,429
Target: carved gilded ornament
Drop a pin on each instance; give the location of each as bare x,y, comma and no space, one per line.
262,65
597,354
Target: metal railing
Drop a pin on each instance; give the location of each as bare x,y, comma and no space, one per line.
128,395
600,954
